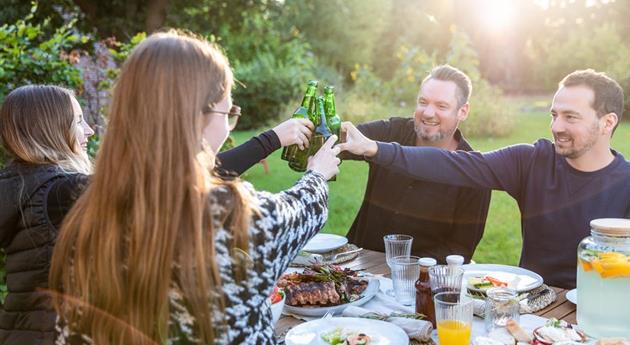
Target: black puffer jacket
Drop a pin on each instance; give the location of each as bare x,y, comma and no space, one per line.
33,201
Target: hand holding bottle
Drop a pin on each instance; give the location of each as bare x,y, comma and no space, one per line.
355,142
294,131
325,161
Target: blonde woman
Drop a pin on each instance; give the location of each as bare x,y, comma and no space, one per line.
44,133
160,251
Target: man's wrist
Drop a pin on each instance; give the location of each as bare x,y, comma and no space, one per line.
372,149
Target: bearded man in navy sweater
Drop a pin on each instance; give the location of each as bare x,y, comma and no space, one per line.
560,186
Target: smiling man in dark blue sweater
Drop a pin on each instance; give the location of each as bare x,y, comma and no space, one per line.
560,186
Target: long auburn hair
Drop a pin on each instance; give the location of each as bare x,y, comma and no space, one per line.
144,223
37,126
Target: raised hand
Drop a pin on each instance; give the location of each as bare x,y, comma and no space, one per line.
356,143
325,161
294,131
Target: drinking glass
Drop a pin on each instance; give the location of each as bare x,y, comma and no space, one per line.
501,306
445,278
453,315
405,272
397,245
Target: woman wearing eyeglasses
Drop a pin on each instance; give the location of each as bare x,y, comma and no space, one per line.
158,249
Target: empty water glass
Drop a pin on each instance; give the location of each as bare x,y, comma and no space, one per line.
405,272
397,245
501,306
445,278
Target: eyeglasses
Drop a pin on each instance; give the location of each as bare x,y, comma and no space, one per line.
233,114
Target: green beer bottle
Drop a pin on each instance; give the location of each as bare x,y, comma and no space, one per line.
334,122
299,161
301,113
322,131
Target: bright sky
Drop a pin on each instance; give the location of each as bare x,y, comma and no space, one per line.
496,14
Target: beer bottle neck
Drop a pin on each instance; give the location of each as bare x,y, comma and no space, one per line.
330,106
308,95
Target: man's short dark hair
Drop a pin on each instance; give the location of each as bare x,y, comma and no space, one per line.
461,80
608,94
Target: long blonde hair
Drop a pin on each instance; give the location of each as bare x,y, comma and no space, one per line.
37,126
146,210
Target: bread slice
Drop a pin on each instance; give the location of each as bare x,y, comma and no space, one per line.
517,332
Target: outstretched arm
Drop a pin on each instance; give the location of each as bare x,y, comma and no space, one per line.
502,169
241,158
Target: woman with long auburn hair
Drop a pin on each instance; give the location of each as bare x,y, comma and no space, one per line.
43,132
158,249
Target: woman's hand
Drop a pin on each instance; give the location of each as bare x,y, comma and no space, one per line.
325,161
294,131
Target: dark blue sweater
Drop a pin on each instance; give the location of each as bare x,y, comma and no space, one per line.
556,201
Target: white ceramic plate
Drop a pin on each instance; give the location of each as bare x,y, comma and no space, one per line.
381,332
368,293
572,296
522,279
322,243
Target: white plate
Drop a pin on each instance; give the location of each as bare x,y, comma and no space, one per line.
572,296
527,280
322,243
368,293
381,332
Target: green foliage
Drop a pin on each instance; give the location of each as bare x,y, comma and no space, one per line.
271,78
30,56
491,115
342,33
120,50
605,50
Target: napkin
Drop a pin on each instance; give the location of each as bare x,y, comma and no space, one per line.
415,329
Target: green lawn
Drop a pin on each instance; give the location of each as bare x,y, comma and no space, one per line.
501,242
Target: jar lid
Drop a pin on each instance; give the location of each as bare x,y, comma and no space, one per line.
456,260
427,262
611,226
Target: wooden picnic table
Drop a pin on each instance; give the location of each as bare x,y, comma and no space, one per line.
374,262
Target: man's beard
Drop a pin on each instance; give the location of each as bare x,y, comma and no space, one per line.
573,152
439,136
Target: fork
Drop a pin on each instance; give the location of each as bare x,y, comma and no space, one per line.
329,258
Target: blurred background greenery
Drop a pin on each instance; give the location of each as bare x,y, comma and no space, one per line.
375,52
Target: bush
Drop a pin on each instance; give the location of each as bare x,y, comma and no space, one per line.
29,56
490,113
605,50
272,77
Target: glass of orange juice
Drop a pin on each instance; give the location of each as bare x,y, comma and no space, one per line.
453,315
